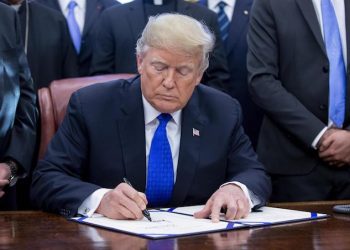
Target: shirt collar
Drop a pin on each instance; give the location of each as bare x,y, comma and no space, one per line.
80,4
151,113
212,4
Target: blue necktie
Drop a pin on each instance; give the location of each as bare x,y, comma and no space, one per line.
223,20
160,173
73,26
337,75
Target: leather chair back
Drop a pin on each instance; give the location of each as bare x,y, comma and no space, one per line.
53,101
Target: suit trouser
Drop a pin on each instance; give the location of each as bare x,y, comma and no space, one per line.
9,200
324,182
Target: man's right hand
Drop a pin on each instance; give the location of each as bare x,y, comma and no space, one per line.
123,202
5,173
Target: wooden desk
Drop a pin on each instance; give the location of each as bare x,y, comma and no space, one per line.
39,230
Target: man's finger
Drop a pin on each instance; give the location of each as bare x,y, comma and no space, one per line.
3,183
126,213
326,143
143,197
231,211
132,207
134,196
205,212
215,210
242,210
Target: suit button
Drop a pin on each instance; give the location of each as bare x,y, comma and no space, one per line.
325,69
323,106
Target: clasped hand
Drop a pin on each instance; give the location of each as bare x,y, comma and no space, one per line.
334,147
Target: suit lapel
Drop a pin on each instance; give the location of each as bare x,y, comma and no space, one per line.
54,4
239,22
308,11
139,23
132,135
93,10
189,150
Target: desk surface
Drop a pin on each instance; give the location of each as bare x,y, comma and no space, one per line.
39,230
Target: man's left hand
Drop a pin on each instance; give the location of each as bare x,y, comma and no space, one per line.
335,149
230,197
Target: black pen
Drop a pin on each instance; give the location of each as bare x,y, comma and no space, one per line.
144,212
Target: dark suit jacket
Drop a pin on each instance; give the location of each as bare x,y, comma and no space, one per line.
94,8
121,26
50,52
236,49
18,113
102,140
288,73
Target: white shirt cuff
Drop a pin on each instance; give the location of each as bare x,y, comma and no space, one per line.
318,137
91,203
252,198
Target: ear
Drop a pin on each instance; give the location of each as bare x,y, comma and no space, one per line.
199,78
139,63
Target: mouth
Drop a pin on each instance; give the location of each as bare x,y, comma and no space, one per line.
167,97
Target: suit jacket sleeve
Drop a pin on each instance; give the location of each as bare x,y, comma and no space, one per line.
57,180
266,87
243,164
23,134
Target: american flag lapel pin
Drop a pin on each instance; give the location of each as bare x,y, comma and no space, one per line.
195,132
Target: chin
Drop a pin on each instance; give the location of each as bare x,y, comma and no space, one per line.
167,108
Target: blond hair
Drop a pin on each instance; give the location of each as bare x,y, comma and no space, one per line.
178,33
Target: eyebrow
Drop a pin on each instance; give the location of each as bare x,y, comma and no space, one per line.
160,61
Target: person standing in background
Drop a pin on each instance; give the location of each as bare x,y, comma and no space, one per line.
18,113
81,16
298,64
46,41
233,19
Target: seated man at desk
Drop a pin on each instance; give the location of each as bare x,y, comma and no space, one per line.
177,141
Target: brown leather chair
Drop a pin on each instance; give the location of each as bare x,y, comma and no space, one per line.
53,102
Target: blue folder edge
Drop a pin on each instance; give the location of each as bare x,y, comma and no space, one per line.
230,226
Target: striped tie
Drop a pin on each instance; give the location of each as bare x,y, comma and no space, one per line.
224,22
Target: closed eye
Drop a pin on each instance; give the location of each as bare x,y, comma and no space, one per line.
159,66
184,71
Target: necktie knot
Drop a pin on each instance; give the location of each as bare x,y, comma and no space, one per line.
72,4
164,118
222,5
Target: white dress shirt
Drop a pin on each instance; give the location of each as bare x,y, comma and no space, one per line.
79,11
173,128
339,9
229,8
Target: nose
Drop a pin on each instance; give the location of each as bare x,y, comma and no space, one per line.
169,78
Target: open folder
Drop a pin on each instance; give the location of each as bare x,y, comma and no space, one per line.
175,222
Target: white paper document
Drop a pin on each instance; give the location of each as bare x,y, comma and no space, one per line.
174,222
